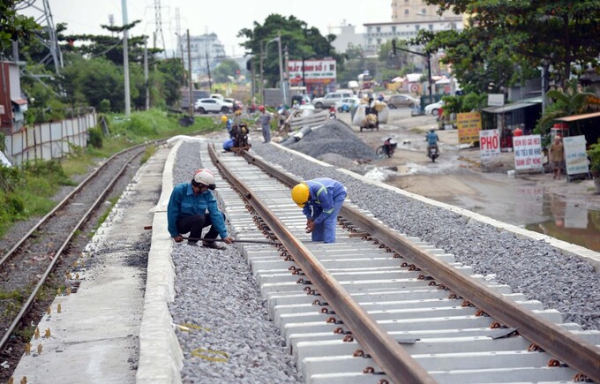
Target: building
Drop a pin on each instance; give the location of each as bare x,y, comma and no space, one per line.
12,104
345,36
204,49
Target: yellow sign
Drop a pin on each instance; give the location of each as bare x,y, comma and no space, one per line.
469,125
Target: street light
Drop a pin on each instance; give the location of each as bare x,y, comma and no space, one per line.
281,83
427,54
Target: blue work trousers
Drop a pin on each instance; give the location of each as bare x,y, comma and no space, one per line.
325,231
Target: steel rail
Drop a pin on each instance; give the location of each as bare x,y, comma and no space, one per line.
397,364
32,296
579,354
63,202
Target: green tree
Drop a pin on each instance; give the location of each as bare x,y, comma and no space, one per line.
302,43
14,26
534,33
226,69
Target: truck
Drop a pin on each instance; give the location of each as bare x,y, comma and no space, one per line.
273,96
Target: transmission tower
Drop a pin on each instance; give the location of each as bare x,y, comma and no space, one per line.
47,36
158,33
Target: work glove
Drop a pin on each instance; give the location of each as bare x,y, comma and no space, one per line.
178,239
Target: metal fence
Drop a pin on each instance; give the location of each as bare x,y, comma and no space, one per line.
48,140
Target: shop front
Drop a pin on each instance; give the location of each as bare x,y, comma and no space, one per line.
318,76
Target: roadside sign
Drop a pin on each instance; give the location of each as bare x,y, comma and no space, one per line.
528,152
489,144
576,160
495,100
469,125
415,88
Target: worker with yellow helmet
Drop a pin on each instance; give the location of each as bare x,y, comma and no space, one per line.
321,200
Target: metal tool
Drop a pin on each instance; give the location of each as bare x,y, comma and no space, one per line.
235,241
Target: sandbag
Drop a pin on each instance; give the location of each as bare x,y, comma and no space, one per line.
383,115
359,115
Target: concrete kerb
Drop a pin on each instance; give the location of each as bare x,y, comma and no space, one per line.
161,357
591,256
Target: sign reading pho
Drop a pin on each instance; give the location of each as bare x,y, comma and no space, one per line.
469,125
576,160
489,144
528,153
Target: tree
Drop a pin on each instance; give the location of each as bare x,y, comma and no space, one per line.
534,33
224,70
390,64
14,26
302,43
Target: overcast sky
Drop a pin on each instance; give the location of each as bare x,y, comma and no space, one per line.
225,18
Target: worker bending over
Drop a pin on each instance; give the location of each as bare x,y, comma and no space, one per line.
321,200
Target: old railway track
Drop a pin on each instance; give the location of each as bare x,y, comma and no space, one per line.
378,307
27,266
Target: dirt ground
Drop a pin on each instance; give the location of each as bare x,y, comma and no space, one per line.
457,177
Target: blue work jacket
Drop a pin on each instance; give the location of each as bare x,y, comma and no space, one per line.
184,203
323,192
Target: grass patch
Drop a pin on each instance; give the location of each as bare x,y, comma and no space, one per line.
27,191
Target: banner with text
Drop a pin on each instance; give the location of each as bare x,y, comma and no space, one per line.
489,144
576,160
528,152
469,125
313,69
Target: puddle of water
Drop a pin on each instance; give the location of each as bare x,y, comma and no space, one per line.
570,222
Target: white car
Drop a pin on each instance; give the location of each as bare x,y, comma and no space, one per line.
346,104
213,105
433,109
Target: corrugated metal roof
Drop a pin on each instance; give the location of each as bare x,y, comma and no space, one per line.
508,107
568,119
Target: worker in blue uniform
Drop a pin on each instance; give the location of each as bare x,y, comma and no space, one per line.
192,207
321,200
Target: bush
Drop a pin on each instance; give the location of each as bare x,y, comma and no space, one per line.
95,137
594,154
104,106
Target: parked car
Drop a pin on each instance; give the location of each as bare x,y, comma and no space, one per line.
346,104
213,105
300,99
330,99
235,102
217,96
397,101
434,108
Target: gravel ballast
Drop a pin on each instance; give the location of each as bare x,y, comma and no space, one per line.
566,283
217,294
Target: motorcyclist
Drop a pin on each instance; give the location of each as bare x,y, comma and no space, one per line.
432,139
389,146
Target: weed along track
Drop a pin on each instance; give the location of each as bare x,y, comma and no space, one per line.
28,266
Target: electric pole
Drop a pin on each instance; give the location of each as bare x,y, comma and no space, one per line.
190,79
208,69
146,76
126,60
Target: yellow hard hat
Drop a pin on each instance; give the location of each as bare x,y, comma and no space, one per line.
300,194
224,119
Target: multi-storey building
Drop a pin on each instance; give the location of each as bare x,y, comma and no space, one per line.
204,50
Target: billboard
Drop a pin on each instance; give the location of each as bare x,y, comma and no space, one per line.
313,70
469,125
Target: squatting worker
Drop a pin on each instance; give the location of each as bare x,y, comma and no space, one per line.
321,200
187,211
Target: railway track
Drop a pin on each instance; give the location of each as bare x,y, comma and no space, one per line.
380,307
29,263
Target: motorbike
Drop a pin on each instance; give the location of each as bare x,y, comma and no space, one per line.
344,108
432,153
332,115
387,149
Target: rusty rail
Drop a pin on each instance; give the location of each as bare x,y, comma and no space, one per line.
397,364
563,345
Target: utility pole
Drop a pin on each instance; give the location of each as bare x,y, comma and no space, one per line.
428,56
286,74
208,69
262,82
281,83
190,80
146,76
126,61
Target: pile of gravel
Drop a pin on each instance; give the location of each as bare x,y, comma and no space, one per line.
334,137
217,295
566,283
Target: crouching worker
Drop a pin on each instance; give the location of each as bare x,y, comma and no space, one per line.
227,145
321,200
187,211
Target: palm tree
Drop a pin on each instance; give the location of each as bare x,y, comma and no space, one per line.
572,101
